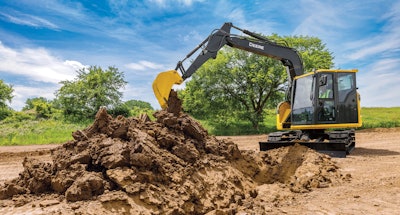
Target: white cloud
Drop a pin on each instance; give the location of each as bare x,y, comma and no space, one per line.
346,28
163,3
143,65
379,84
40,67
387,41
236,13
22,93
193,36
76,65
26,19
37,64
327,19
142,93
68,16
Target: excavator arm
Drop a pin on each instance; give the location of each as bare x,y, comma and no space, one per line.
253,42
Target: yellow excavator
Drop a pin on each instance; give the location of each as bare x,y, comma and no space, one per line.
321,110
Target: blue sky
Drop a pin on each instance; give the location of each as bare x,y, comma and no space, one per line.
43,42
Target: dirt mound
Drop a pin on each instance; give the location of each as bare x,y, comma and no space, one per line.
167,166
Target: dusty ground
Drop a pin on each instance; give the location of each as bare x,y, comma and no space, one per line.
375,184
374,187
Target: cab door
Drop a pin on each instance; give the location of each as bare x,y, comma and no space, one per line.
326,109
347,97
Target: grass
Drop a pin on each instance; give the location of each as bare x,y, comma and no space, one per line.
243,127
36,132
237,128
380,117
29,131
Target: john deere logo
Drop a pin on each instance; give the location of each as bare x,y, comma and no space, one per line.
256,46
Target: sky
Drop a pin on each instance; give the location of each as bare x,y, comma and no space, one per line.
43,42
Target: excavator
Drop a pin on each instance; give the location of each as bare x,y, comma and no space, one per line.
321,109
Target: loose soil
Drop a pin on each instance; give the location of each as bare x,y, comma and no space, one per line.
172,166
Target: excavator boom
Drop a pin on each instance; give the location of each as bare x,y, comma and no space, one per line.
212,44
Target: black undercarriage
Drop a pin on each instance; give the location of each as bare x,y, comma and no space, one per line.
338,143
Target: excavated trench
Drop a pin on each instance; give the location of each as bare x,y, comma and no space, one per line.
167,166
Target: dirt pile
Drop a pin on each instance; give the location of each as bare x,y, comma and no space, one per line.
167,166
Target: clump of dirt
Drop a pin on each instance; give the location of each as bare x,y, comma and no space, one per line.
167,166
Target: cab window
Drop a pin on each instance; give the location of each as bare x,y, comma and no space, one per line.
346,85
303,110
326,86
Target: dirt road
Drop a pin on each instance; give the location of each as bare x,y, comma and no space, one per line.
374,187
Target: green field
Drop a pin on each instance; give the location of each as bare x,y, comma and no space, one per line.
380,117
42,131
31,131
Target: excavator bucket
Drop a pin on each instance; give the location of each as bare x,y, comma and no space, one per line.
162,86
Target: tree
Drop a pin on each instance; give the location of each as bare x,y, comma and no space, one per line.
92,88
139,104
237,82
239,85
132,108
313,52
42,107
5,94
137,107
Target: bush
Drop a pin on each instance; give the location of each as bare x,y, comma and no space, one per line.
4,113
19,116
136,111
119,110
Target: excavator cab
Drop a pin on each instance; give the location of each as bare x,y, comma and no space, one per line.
320,101
324,99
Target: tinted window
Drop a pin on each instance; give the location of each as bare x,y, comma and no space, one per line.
326,86
345,85
302,111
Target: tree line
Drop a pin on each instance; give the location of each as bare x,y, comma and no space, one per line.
79,99
237,86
